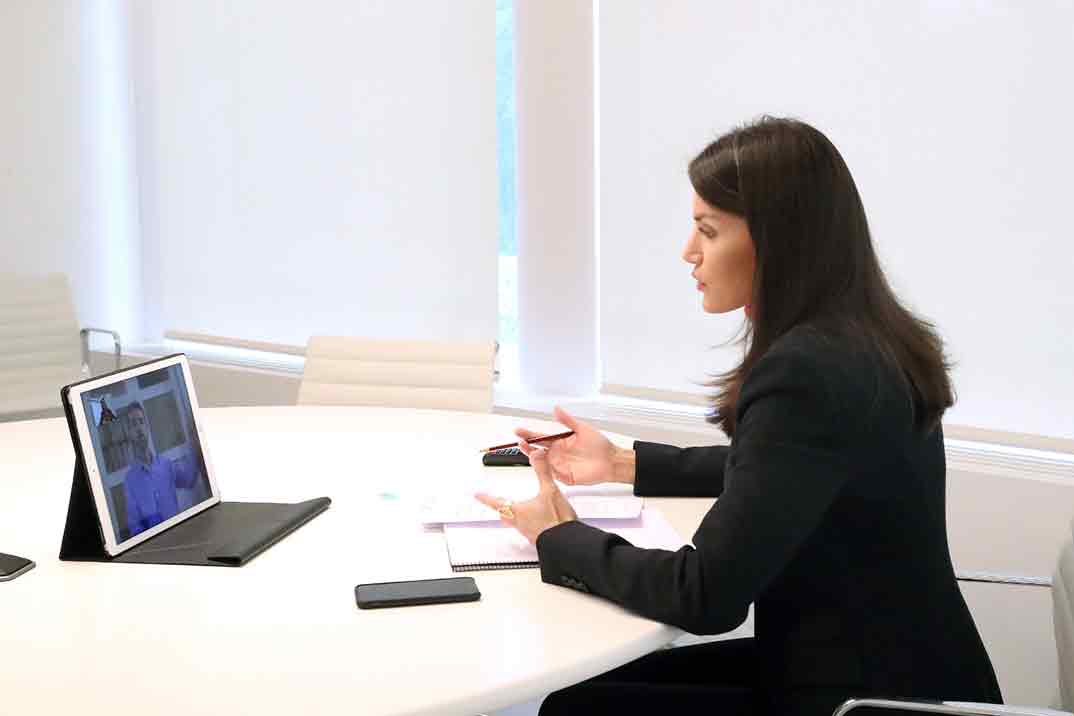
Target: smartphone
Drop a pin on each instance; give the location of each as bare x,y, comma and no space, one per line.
12,566
419,591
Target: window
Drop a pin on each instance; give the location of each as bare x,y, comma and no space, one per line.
505,159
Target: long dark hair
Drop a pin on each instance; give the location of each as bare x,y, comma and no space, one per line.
815,260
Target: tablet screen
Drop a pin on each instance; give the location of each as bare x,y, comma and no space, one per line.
148,458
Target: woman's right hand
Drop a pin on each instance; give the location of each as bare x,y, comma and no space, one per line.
585,458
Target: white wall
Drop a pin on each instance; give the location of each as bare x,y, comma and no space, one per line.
41,145
53,217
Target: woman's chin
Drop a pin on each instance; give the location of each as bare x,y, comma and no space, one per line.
715,308
712,307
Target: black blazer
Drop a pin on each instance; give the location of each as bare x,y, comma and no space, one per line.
830,520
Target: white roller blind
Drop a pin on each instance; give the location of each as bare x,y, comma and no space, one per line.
954,120
317,167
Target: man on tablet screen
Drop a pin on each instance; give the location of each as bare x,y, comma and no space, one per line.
151,480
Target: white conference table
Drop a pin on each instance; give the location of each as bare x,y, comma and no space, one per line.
282,635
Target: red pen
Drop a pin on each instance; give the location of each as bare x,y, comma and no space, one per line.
557,436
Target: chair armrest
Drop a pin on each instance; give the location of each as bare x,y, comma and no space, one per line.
116,345
951,708
1022,579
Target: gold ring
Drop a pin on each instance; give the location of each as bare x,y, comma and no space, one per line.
506,511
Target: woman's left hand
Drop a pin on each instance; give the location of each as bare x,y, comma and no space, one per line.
548,509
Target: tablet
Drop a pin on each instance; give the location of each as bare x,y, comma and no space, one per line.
140,441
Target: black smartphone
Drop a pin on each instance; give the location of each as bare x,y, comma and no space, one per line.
419,591
12,566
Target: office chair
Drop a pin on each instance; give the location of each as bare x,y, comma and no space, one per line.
393,373
1063,619
42,347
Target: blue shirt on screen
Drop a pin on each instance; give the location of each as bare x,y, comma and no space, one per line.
150,491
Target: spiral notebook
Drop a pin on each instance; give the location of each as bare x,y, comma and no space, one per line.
475,547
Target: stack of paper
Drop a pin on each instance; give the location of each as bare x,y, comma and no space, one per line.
497,546
451,509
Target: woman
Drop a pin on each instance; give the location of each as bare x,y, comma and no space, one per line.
830,518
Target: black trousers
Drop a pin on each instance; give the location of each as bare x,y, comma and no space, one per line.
717,677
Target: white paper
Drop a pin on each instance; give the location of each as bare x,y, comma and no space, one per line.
477,544
450,509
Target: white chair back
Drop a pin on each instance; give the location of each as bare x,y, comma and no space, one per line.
393,373
1063,617
40,348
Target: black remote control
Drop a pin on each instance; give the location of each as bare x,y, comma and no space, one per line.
505,457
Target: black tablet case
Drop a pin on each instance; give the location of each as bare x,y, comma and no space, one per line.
228,534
